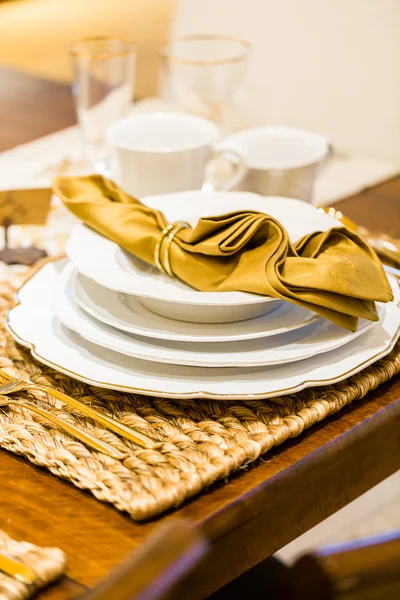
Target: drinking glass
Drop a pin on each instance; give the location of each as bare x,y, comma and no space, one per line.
104,75
203,74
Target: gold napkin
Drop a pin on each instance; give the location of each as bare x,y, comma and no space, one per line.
46,563
334,273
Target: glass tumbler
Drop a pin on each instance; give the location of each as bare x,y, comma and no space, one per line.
203,74
103,88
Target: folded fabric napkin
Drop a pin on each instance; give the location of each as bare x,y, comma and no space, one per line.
334,273
47,564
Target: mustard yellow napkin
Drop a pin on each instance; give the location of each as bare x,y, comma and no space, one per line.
334,273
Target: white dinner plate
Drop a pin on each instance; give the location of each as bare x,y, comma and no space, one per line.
285,348
106,263
33,324
127,313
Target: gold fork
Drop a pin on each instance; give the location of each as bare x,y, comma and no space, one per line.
83,436
14,568
18,385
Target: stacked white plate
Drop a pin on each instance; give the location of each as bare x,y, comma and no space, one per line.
107,318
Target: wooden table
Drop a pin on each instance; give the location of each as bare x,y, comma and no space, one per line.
257,512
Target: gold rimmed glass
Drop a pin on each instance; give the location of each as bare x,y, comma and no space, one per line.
204,74
103,88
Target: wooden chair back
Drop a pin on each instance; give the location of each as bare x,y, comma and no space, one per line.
157,569
365,569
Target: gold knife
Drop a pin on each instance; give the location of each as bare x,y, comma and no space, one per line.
14,568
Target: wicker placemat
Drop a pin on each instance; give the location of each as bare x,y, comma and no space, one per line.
48,564
201,441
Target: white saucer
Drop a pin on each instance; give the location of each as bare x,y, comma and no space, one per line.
128,314
289,347
108,265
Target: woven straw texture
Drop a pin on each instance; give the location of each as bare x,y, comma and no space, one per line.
47,563
200,441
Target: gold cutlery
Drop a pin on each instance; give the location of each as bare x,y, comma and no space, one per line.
385,246
83,436
16,569
392,271
13,385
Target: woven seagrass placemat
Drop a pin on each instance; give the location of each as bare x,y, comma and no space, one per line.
201,441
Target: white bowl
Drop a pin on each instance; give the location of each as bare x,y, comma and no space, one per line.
111,267
209,313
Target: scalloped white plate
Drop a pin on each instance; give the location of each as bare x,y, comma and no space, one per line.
289,347
33,324
127,313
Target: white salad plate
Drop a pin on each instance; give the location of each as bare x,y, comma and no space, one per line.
127,313
33,323
289,347
108,265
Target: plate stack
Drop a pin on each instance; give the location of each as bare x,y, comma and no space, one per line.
111,320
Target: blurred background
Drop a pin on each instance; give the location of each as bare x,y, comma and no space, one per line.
332,67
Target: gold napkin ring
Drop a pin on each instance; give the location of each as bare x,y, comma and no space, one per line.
163,246
170,236
157,249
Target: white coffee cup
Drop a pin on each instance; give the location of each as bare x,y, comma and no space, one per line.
281,161
168,152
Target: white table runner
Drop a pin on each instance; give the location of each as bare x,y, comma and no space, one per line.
29,165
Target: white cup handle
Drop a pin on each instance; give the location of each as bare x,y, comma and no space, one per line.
239,170
326,161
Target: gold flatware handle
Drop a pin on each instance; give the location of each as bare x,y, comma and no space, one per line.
385,246
142,440
125,431
83,436
391,255
6,376
392,271
14,568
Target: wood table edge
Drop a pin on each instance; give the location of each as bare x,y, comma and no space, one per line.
229,527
